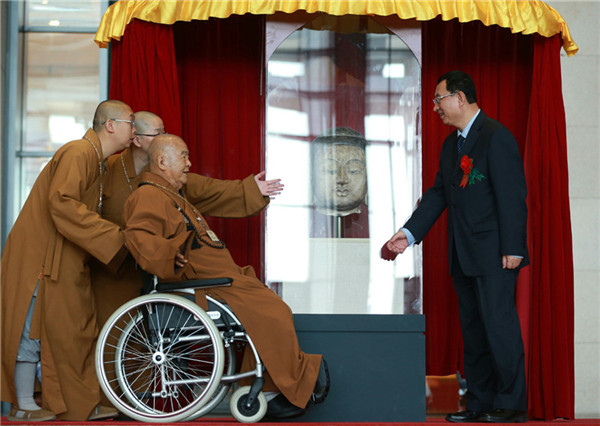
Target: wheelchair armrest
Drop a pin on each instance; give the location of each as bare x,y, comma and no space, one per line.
148,283
180,285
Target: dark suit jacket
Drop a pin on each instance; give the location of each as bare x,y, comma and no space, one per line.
488,217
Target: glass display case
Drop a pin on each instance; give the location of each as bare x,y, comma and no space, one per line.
343,134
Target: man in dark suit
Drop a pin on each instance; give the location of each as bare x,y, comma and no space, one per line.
482,183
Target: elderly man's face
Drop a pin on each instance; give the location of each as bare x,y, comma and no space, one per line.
340,177
178,165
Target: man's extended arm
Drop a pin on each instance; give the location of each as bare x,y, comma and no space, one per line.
225,198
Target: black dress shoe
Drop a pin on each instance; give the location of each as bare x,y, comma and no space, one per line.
322,384
465,417
280,408
506,416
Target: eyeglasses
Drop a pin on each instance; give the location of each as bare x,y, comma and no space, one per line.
122,121
438,99
152,135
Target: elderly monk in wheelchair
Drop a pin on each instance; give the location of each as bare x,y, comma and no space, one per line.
168,237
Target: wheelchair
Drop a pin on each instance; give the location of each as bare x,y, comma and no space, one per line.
161,358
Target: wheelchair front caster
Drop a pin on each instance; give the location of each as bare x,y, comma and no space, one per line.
241,412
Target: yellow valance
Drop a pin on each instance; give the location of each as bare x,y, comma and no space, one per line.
521,16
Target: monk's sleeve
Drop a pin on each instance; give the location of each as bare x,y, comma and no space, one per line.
154,234
225,198
69,194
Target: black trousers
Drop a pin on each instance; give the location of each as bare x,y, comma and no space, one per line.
494,358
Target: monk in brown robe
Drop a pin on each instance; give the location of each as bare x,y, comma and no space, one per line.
214,197
157,216
113,288
48,311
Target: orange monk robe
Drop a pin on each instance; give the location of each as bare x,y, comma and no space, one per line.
155,231
113,288
214,197
52,240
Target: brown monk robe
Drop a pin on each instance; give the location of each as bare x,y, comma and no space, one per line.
156,232
113,288
50,244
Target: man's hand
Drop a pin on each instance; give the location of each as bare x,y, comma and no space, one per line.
510,262
398,243
386,254
180,260
268,188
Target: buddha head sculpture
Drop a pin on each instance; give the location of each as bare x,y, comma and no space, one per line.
339,172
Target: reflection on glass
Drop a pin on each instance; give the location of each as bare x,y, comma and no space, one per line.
63,13
61,88
369,85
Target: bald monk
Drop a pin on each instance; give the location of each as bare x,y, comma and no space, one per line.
113,288
214,197
168,237
47,302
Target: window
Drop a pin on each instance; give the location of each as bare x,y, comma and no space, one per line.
60,76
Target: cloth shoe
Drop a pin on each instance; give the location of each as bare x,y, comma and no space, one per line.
41,415
102,412
465,417
506,416
280,408
322,384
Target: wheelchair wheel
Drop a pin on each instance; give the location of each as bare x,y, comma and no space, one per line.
241,412
223,388
159,358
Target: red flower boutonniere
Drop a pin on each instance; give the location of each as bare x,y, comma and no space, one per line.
470,174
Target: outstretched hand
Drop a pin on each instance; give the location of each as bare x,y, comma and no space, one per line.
386,254
268,188
397,244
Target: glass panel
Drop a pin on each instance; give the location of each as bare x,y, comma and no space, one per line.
61,88
343,134
70,13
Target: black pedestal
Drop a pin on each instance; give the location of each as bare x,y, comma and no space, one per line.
376,363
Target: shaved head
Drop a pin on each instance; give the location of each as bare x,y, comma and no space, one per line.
107,110
146,122
170,158
166,145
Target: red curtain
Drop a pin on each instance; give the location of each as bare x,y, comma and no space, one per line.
205,79
144,72
221,75
512,88
550,310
